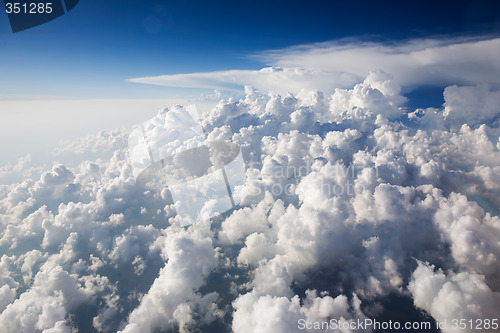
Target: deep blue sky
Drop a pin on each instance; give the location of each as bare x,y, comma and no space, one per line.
90,51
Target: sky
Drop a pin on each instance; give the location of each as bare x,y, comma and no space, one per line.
91,51
100,51
360,179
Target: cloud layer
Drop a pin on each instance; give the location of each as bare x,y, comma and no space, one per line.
351,199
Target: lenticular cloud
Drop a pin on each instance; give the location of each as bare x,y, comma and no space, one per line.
355,208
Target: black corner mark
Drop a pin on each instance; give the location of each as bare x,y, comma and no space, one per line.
26,14
70,4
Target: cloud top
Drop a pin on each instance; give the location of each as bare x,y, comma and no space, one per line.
351,200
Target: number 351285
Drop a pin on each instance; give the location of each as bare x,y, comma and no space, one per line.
28,8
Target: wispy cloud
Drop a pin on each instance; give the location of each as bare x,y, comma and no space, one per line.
276,79
340,64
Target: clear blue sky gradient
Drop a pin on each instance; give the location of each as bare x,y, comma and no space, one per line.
90,51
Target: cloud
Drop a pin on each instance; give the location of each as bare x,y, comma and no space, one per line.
53,293
412,62
104,141
348,194
341,64
276,79
172,297
458,219
455,295
472,105
283,315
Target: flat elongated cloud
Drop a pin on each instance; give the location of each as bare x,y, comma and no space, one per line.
341,64
274,79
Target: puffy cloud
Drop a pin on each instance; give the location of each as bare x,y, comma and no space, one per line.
455,296
378,94
473,236
23,167
280,314
53,293
172,296
102,142
344,191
